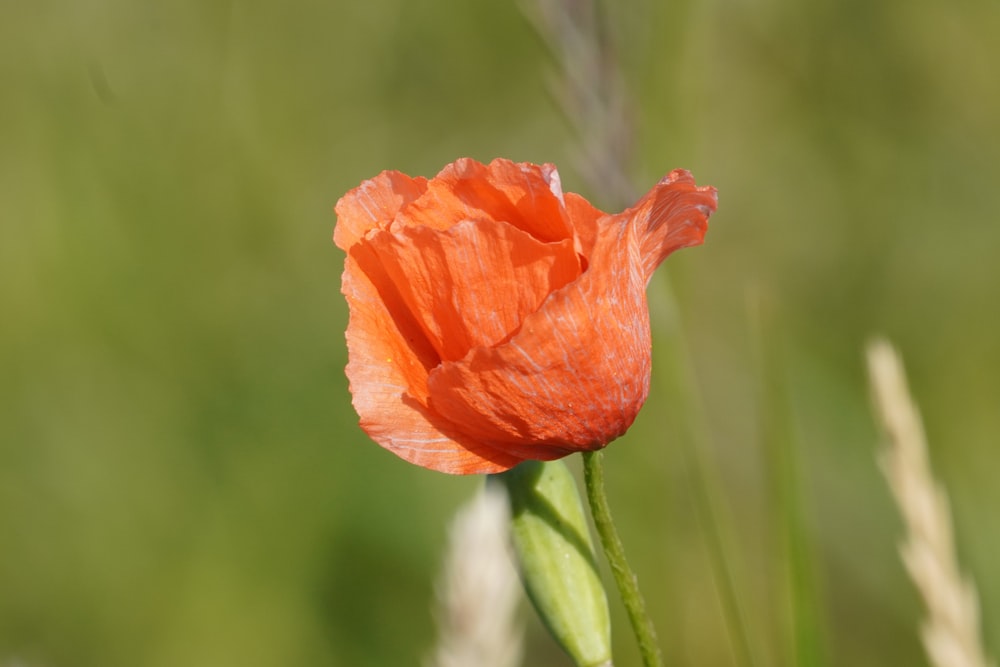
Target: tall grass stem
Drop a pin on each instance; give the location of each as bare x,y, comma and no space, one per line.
780,446
677,376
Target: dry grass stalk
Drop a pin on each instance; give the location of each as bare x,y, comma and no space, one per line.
591,92
479,589
951,630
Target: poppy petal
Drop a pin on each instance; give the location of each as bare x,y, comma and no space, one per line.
576,374
473,284
584,217
389,358
671,216
527,196
374,204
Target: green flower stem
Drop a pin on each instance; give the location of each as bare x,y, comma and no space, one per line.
628,586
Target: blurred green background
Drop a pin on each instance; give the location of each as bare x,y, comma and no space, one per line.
182,480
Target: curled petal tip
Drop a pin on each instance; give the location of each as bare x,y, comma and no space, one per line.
671,216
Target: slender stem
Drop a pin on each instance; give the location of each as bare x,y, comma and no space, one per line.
628,586
788,500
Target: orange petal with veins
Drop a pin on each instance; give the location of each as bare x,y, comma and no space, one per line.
576,374
389,360
471,285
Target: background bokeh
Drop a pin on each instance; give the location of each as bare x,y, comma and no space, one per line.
182,480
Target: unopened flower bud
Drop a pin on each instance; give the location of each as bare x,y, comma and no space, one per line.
556,556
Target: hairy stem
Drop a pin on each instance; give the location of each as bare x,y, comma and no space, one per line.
628,586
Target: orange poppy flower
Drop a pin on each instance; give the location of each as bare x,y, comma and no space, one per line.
496,319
